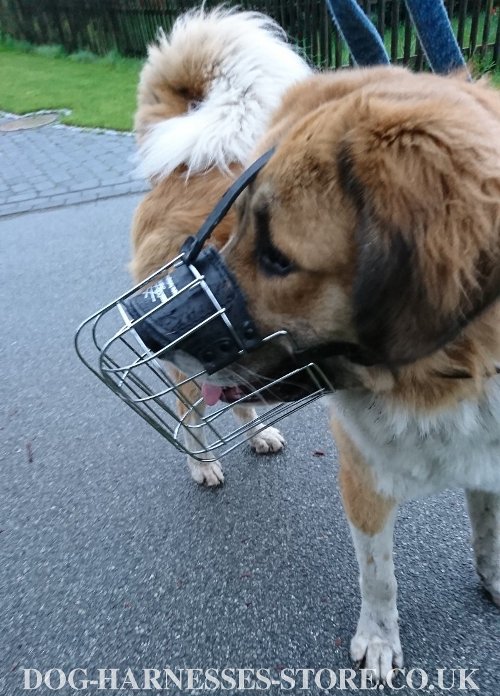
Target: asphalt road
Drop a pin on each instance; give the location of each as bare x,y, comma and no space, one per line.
111,557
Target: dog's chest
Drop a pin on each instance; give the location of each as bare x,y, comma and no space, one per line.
412,455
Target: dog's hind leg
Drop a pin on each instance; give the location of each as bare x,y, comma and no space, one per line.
263,441
371,516
206,472
484,513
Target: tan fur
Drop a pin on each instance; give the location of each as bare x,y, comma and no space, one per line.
169,84
201,50
383,195
189,391
172,211
365,508
178,205
424,151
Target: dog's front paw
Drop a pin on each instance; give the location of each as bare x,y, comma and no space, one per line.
377,649
268,440
206,473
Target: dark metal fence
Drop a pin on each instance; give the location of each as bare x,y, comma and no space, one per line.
129,25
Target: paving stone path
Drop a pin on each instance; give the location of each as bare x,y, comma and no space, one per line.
58,165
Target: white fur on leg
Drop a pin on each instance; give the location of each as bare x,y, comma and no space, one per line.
264,441
376,642
210,473
484,513
268,440
207,473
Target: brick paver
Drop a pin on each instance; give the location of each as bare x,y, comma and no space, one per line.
59,165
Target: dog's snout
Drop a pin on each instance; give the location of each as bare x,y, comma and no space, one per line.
198,309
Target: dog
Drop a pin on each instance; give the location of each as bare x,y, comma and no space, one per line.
375,224
205,97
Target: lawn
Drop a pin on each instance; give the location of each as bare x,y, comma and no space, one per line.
99,94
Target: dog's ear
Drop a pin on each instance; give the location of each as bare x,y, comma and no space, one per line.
425,190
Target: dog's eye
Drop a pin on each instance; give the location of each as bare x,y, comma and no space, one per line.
273,262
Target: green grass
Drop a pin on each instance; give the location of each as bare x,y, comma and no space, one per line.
100,93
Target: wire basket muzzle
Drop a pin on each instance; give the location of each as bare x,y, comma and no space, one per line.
129,343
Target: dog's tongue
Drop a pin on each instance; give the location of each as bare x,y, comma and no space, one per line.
211,393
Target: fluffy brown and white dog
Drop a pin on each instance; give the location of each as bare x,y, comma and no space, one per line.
376,223
205,97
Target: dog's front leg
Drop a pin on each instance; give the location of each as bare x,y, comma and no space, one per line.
263,441
484,513
208,473
371,516
376,642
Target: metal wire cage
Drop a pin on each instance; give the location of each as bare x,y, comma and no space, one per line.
110,346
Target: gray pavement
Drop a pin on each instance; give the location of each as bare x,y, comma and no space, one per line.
111,557
57,165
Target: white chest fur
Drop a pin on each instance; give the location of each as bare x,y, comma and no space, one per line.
419,454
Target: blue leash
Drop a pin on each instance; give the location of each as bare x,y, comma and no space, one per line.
436,35
358,32
431,22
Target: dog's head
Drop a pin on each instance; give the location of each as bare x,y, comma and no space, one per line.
370,237
376,222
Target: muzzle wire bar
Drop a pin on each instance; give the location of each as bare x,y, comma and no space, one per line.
110,345
165,337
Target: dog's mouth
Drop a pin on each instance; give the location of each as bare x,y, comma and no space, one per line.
263,390
212,393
